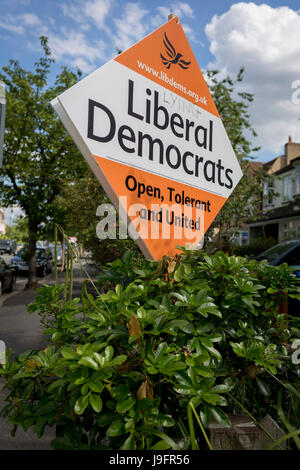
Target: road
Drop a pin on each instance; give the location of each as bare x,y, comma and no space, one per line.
20,284
19,330
22,331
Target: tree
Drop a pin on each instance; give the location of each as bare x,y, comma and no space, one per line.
39,156
78,202
18,231
245,201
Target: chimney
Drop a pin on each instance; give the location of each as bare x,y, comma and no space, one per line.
291,150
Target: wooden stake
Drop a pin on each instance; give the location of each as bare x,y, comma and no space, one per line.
63,255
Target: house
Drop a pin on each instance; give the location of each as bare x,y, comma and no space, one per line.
281,197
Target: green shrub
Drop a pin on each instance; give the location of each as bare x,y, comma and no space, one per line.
125,369
256,247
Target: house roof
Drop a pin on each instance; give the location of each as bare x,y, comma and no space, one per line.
267,165
288,210
252,167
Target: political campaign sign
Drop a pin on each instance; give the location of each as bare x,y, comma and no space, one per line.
148,127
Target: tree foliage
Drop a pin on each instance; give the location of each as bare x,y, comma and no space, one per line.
123,370
18,231
78,202
39,156
233,107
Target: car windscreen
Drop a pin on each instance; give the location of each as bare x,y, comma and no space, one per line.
21,252
41,253
277,251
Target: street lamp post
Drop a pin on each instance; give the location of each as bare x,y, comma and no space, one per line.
2,118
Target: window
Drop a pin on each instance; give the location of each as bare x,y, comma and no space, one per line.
245,238
291,230
288,230
287,188
268,192
297,180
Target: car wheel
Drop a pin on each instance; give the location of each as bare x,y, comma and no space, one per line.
12,284
49,269
42,271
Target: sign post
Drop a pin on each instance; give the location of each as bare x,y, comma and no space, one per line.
151,133
2,119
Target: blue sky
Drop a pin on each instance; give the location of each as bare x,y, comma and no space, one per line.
262,36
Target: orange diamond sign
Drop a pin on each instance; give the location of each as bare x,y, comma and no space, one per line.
150,131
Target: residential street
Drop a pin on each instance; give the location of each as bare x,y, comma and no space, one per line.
21,331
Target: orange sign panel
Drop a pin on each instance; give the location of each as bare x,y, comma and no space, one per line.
150,131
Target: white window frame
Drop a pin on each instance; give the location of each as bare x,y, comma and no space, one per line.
287,188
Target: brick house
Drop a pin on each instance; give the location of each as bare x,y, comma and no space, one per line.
281,198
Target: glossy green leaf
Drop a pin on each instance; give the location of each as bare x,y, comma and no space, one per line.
263,387
129,443
89,362
81,404
204,371
115,429
220,417
109,353
179,274
96,402
125,405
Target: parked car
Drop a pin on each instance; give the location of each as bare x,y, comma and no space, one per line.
7,277
44,261
59,258
7,246
285,252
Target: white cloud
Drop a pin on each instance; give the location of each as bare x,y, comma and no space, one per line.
30,19
72,10
131,26
191,34
179,9
266,41
17,24
183,9
82,64
94,11
13,28
68,33
164,12
97,11
75,49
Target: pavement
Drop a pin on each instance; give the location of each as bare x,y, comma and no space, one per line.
22,331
